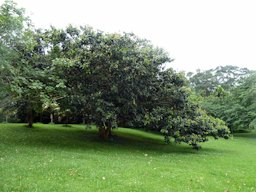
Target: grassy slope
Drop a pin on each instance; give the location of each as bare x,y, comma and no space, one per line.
57,158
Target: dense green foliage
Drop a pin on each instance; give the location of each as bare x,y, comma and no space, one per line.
232,100
237,108
57,158
110,80
227,77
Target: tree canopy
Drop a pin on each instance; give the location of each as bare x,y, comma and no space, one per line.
232,100
228,77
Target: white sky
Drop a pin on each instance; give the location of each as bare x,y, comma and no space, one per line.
196,33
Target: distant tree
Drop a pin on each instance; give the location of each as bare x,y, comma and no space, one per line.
237,108
13,23
206,82
245,95
28,74
11,26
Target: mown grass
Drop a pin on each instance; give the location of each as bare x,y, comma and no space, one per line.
57,158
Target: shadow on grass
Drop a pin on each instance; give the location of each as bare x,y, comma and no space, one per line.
80,138
250,135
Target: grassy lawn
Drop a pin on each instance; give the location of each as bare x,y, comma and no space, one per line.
57,158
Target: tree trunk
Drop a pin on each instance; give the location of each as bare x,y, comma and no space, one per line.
105,133
30,119
41,118
51,117
67,121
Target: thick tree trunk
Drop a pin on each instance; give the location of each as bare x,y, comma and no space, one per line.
105,133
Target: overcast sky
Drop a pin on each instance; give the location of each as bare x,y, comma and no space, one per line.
196,33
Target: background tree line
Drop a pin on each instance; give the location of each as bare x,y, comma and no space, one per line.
228,93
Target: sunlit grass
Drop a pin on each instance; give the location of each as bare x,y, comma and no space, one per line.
57,158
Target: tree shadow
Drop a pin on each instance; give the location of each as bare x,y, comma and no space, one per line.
70,138
250,135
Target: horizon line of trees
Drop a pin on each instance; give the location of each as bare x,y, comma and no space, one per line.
229,93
